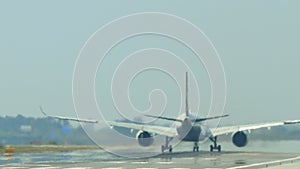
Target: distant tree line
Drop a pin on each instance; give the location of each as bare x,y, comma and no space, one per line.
22,130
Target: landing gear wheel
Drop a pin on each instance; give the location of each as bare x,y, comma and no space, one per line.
211,148
167,146
215,146
196,147
170,149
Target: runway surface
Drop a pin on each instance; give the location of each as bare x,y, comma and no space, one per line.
182,160
257,155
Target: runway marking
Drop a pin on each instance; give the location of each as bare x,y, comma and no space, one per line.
113,168
46,167
263,164
139,162
114,162
179,168
13,167
165,162
188,158
210,159
79,168
146,168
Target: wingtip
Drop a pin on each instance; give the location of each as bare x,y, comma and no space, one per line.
291,121
147,115
42,111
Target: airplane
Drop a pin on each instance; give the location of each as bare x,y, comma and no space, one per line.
188,128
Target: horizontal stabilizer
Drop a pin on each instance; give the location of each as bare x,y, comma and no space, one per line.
210,118
196,120
165,118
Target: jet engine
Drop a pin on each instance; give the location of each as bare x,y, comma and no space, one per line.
144,138
240,139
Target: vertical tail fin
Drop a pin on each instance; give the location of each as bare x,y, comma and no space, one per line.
186,95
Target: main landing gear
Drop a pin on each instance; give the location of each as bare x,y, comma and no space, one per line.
215,146
167,146
196,147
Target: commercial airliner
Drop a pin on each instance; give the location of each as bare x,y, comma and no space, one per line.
188,128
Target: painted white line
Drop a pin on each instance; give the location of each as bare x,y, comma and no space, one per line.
47,168
210,159
79,168
165,162
266,164
188,158
139,162
114,162
113,168
14,167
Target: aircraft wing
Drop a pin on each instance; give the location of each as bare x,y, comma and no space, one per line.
166,131
74,119
231,129
69,118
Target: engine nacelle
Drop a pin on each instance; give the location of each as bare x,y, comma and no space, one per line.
240,139
144,138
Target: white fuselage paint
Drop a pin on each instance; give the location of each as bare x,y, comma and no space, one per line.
188,130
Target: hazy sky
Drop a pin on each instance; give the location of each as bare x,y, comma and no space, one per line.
257,41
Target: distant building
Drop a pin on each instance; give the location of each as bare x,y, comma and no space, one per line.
26,128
